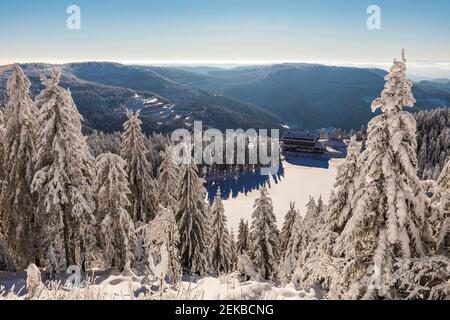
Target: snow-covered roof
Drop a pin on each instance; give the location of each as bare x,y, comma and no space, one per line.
298,135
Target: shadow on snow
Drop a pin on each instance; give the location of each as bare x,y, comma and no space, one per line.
243,183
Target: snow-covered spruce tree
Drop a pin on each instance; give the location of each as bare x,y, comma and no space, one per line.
294,249
246,270
168,176
16,200
117,228
221,255
318,265
6,262
340,204
157,241
264,236
388,219
321,207
288,225
426,278
2,152
233,249
304,233
169,236
100,142
440,218
243,237
310,220
63,181
139,169
193,220
433,142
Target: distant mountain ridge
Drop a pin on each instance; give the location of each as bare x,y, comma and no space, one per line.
311,96
305,96
103,91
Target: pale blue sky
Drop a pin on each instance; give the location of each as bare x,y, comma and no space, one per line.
218,31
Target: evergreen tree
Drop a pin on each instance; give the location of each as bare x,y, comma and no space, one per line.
100,142
264,236
168,175
165,221
288,225
388,218
310,221
345,188
320,205
159,241
193,220
221,255
243,237
63,179
2,153
309,247
18,143
440,218
117,228
433,141
317,264
294,249
233,249
6,262
139,170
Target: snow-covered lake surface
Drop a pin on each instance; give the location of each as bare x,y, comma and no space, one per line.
298,179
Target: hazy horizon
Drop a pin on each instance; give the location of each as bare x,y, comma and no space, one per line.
238,32
418,69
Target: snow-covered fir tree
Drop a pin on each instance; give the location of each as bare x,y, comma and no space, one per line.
264,236
233,248
302,254
426,278
168,176
159,241
340,204
321,228
165,221
117,228
321,207
193,220
141,183
246,270
310,220
288,225
433,141
294,248
316,263
157,144
6,261
2,150
16,200
388,219
100,142
440,218
63,180
243,237
221,255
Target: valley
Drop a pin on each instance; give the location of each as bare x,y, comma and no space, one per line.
303,96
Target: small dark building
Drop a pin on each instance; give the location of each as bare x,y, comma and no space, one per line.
302,142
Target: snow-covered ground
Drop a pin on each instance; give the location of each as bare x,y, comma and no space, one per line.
298,183
111,285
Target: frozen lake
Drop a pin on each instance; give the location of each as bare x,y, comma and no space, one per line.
298,179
